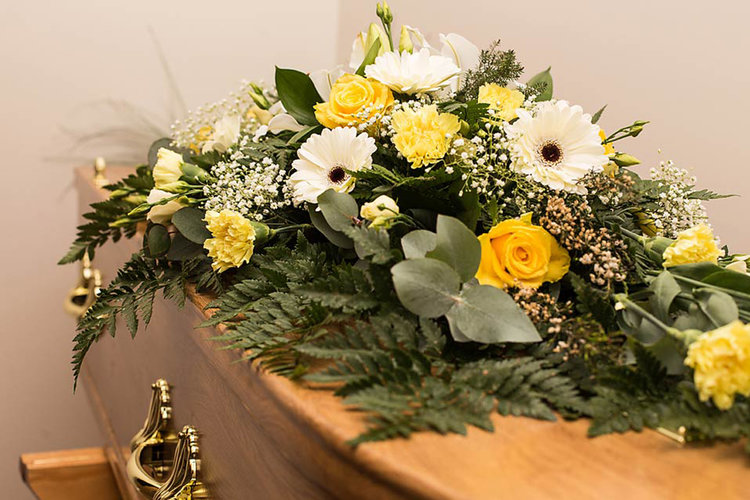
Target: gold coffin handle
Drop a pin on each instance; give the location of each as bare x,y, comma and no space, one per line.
184,482
153,447
84,293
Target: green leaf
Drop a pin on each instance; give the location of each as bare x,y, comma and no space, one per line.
457,246
304,133
598,114
544,81
719,307
183,249
417,243
665,289
189,222
339,209
488,315
336,237
298,95
426,287
370,57
157,240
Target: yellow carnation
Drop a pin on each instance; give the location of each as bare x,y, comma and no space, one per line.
424,136
517,253
233,239
353,100
503,101
693,245
721,360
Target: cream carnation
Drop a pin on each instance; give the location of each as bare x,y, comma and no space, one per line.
233,239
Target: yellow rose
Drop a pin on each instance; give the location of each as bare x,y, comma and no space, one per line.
233,239
424,136
503,101
721,363
353,100
693,245
380,211
517,253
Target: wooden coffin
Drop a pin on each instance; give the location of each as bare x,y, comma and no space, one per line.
265,437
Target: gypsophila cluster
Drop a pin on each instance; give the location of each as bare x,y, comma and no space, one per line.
676,211
255,189
195,129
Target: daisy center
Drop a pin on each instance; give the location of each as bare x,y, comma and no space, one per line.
550,153
337,174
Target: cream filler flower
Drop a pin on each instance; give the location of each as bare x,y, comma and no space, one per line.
325,160
413,73
556,144
380,212
226,132
168,170
162,214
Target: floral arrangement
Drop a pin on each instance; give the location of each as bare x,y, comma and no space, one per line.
450,240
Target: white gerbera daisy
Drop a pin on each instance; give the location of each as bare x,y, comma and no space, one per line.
413,73
324,160
556,144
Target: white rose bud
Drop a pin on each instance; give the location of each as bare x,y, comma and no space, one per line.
168,170
380,212
162,214
739,266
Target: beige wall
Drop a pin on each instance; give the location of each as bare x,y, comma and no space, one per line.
682,65
677,65
54,58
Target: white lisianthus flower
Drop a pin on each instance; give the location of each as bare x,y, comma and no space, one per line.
226,132
282,120
168,170
556,144
413,73
162,214
324,160
380,211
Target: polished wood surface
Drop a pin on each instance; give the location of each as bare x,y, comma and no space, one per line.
264,436
83,474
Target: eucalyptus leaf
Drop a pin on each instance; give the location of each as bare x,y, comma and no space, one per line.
339,209
489,315
298,95
719,307
457,246
595,118
336,237
426,287
665,289
417,243
157,240
183,249
544,78
189,222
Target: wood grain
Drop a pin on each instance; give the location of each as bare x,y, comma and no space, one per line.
267,437
83,474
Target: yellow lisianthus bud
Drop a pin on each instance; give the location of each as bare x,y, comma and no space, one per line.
516,252
353,100
721,363
404,43
233,239
380,212
424,135
693,245
375,32
168,170
262,115
502,100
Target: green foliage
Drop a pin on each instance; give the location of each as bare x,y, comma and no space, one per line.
542,85
298,95
495,66
131,296
101,226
